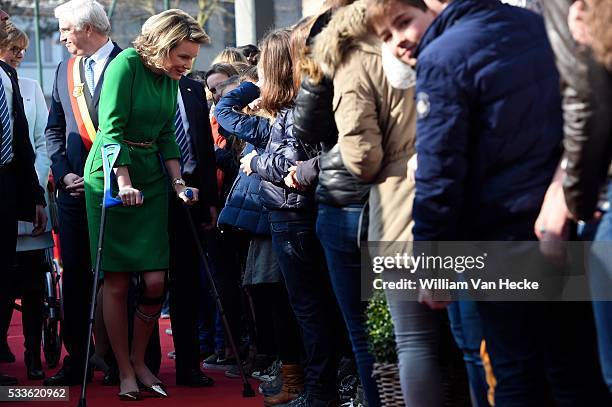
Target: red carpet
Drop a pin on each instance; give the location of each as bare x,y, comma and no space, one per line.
225,393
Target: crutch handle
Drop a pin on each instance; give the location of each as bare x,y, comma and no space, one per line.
110,201
189,193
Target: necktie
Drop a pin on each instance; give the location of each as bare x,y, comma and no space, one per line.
6,145
181,137
89,75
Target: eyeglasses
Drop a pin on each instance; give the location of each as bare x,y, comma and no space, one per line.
17,50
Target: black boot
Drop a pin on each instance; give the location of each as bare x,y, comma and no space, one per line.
33,365
6,355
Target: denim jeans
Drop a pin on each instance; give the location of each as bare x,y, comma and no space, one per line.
542,354
302,264
601,279
337,229
467,331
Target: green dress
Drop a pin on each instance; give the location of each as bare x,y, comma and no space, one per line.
139,106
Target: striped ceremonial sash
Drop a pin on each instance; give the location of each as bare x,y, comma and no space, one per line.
79,104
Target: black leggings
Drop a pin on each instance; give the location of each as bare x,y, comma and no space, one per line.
277,329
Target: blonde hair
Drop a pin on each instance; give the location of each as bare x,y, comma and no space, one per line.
164,31
14,37
229,56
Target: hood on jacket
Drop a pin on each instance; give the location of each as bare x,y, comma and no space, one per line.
347,30
342,34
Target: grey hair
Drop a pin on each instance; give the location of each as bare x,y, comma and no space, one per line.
83,12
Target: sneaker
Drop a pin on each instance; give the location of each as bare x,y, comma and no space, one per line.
271,387
218,361
347,390
301,401
269,373
306,400
172,355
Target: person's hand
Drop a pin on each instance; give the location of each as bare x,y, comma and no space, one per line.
576,21
181,192
213,219
75,185
412,167
130,196
290,179
245,162
552,225
255,105
40,221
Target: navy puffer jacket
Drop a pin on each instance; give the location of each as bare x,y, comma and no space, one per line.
282,152
243,208
489,123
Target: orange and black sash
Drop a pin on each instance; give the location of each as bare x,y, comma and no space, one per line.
76,88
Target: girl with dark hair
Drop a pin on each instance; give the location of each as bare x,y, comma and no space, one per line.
292,220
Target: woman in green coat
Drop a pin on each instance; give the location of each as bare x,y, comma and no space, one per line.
137,110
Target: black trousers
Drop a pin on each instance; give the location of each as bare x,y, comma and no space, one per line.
8,240
76,277
227,251
184,286
27,282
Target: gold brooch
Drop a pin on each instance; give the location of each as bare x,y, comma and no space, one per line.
78,90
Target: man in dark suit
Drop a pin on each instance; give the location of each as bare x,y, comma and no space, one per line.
70,130
22,196
194,138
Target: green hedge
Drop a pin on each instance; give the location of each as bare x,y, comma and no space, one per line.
380,329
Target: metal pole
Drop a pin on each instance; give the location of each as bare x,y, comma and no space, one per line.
166,4
111,10
37,35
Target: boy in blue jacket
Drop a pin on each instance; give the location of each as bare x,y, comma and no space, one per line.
489,136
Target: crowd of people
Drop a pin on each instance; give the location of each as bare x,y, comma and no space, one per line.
370,121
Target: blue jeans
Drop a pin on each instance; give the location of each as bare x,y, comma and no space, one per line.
302,264
601,278
467,331
337,229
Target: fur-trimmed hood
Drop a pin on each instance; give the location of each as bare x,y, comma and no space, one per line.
346,30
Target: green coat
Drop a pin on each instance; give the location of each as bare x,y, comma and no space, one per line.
136,105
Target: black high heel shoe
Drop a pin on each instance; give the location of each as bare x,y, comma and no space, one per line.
133,395
130,396
156,389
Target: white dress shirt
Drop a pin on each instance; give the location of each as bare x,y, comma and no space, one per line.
100,57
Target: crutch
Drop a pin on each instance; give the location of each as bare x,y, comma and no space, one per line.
110,152
247,390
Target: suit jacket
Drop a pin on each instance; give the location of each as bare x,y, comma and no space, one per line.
29,192
200,135
64,144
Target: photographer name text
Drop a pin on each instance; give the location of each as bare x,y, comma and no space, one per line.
450,285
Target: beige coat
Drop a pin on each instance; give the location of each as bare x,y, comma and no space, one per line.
376,123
